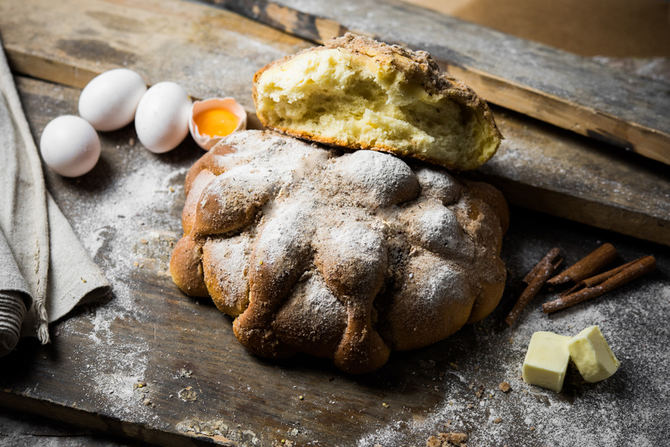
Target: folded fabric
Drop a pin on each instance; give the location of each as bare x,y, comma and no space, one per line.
42,263
14,299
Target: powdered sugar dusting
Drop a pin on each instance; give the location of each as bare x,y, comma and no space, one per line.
436,228
438,184
355,243
378,178
233,253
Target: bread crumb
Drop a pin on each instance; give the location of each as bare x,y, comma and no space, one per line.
497,420
183,372
187,394
453,438
504,387
479,392
433,442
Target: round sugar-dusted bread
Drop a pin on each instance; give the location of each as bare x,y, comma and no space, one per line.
344,255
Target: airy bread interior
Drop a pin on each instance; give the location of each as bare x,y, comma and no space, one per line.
346,98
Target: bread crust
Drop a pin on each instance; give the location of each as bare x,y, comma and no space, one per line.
415,65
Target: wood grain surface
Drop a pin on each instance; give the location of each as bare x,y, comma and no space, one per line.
157,366
558,87
212,52
215,53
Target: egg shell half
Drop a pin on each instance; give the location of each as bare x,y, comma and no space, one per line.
70,146
109,101
161,119
206,141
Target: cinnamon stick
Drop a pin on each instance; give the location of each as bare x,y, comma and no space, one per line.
533,273
627,273
535,280
585,267
597,279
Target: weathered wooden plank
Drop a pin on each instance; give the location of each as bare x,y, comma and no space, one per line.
561,88
580,179
126,215
212,52
207,51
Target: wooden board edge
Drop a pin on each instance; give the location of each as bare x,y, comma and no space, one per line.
104,424
584,211
650,143
48,69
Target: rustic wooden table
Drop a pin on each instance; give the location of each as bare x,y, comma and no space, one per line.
153,365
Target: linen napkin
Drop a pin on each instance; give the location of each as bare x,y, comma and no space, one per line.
44,270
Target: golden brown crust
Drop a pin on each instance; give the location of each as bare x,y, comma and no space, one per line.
186,267
493,198
415,65
490,293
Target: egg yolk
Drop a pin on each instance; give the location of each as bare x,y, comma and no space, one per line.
216,122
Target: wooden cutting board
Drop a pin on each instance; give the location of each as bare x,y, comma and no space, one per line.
215,53
155,365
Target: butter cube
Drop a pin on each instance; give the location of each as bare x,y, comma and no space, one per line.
592,356
546,360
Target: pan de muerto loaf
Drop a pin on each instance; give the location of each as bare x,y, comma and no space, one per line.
344,255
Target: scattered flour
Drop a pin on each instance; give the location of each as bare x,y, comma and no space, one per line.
626,409
124,214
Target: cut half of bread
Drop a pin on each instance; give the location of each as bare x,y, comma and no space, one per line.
363,94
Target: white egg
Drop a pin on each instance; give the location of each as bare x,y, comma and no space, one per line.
109,101
70,146
161,119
